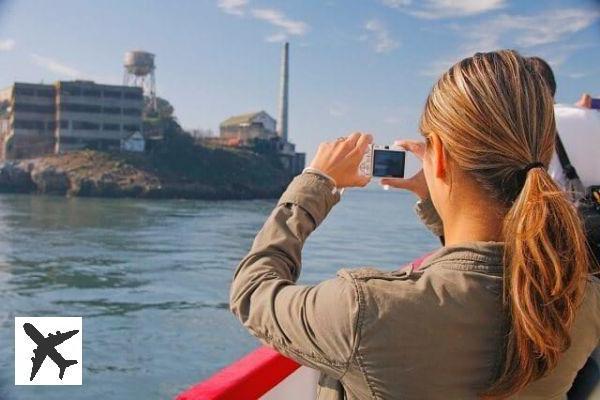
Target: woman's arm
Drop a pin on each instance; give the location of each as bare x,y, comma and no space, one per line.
314,325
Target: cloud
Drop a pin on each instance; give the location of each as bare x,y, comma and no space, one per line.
234,7
380,36
436,9
277,38
438,67
56,67
543,34
392,120
338,109
396,3
559,53
7,44
577,75
287,26
527,31
280,20
400,115
535,30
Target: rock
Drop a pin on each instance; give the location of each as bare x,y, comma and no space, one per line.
49,179
15,177
205,174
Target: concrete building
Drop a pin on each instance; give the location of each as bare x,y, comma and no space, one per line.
290,159
27,118
255,125
38,119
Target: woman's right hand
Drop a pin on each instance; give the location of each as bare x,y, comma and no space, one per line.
417,183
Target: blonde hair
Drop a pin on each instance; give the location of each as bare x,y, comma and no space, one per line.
495,117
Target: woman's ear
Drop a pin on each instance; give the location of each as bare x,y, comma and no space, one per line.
440,162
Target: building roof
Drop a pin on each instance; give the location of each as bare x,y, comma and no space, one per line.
241,119
82,83
76,82
135,135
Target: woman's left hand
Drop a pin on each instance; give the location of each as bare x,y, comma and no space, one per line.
416,183
340,159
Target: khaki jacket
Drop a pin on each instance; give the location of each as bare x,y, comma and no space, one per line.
429,333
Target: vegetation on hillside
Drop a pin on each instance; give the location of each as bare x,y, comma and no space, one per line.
180,159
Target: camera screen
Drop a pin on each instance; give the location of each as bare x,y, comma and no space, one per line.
388,163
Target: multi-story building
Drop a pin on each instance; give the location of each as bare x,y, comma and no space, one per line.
27,118
38,119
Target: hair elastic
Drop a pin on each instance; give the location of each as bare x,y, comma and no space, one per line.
532,165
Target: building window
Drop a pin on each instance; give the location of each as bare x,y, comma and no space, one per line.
111,127
133,95
86,108
111,110
113,94
34,108
91,93
24,91
45,93
28,124
69,140
51,125
70,90
132,111
131,127
85,125
64,124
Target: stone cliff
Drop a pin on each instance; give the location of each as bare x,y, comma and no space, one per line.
207,173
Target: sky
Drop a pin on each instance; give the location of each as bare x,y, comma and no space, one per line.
355,65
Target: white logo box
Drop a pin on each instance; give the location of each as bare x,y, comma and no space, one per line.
70,350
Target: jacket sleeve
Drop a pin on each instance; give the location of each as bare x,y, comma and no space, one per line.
314,325
429,216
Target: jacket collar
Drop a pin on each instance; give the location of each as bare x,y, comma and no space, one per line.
472,256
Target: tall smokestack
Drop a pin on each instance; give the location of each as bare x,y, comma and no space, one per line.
282,122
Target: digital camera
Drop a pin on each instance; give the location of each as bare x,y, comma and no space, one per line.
383,162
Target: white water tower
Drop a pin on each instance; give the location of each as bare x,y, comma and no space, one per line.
139,71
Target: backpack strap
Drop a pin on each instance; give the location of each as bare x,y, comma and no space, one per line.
568,168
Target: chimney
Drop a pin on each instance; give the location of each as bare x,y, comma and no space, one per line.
282,122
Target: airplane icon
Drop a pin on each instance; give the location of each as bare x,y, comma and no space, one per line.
46,347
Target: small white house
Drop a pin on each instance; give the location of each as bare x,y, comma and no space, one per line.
134,143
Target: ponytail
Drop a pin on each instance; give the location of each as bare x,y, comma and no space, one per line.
546,263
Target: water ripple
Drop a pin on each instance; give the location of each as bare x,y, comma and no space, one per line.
151,279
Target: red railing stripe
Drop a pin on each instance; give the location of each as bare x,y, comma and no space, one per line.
248,378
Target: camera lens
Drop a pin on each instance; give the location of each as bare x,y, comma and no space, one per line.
387,147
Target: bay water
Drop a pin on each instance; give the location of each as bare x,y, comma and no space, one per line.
151,279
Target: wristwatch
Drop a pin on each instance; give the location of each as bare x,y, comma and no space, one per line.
317,171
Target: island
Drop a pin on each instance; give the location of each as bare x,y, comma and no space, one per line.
193,171
79,138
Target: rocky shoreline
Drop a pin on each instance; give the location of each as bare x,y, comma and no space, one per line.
96,174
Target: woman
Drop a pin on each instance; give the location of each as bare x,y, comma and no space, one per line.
507,308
